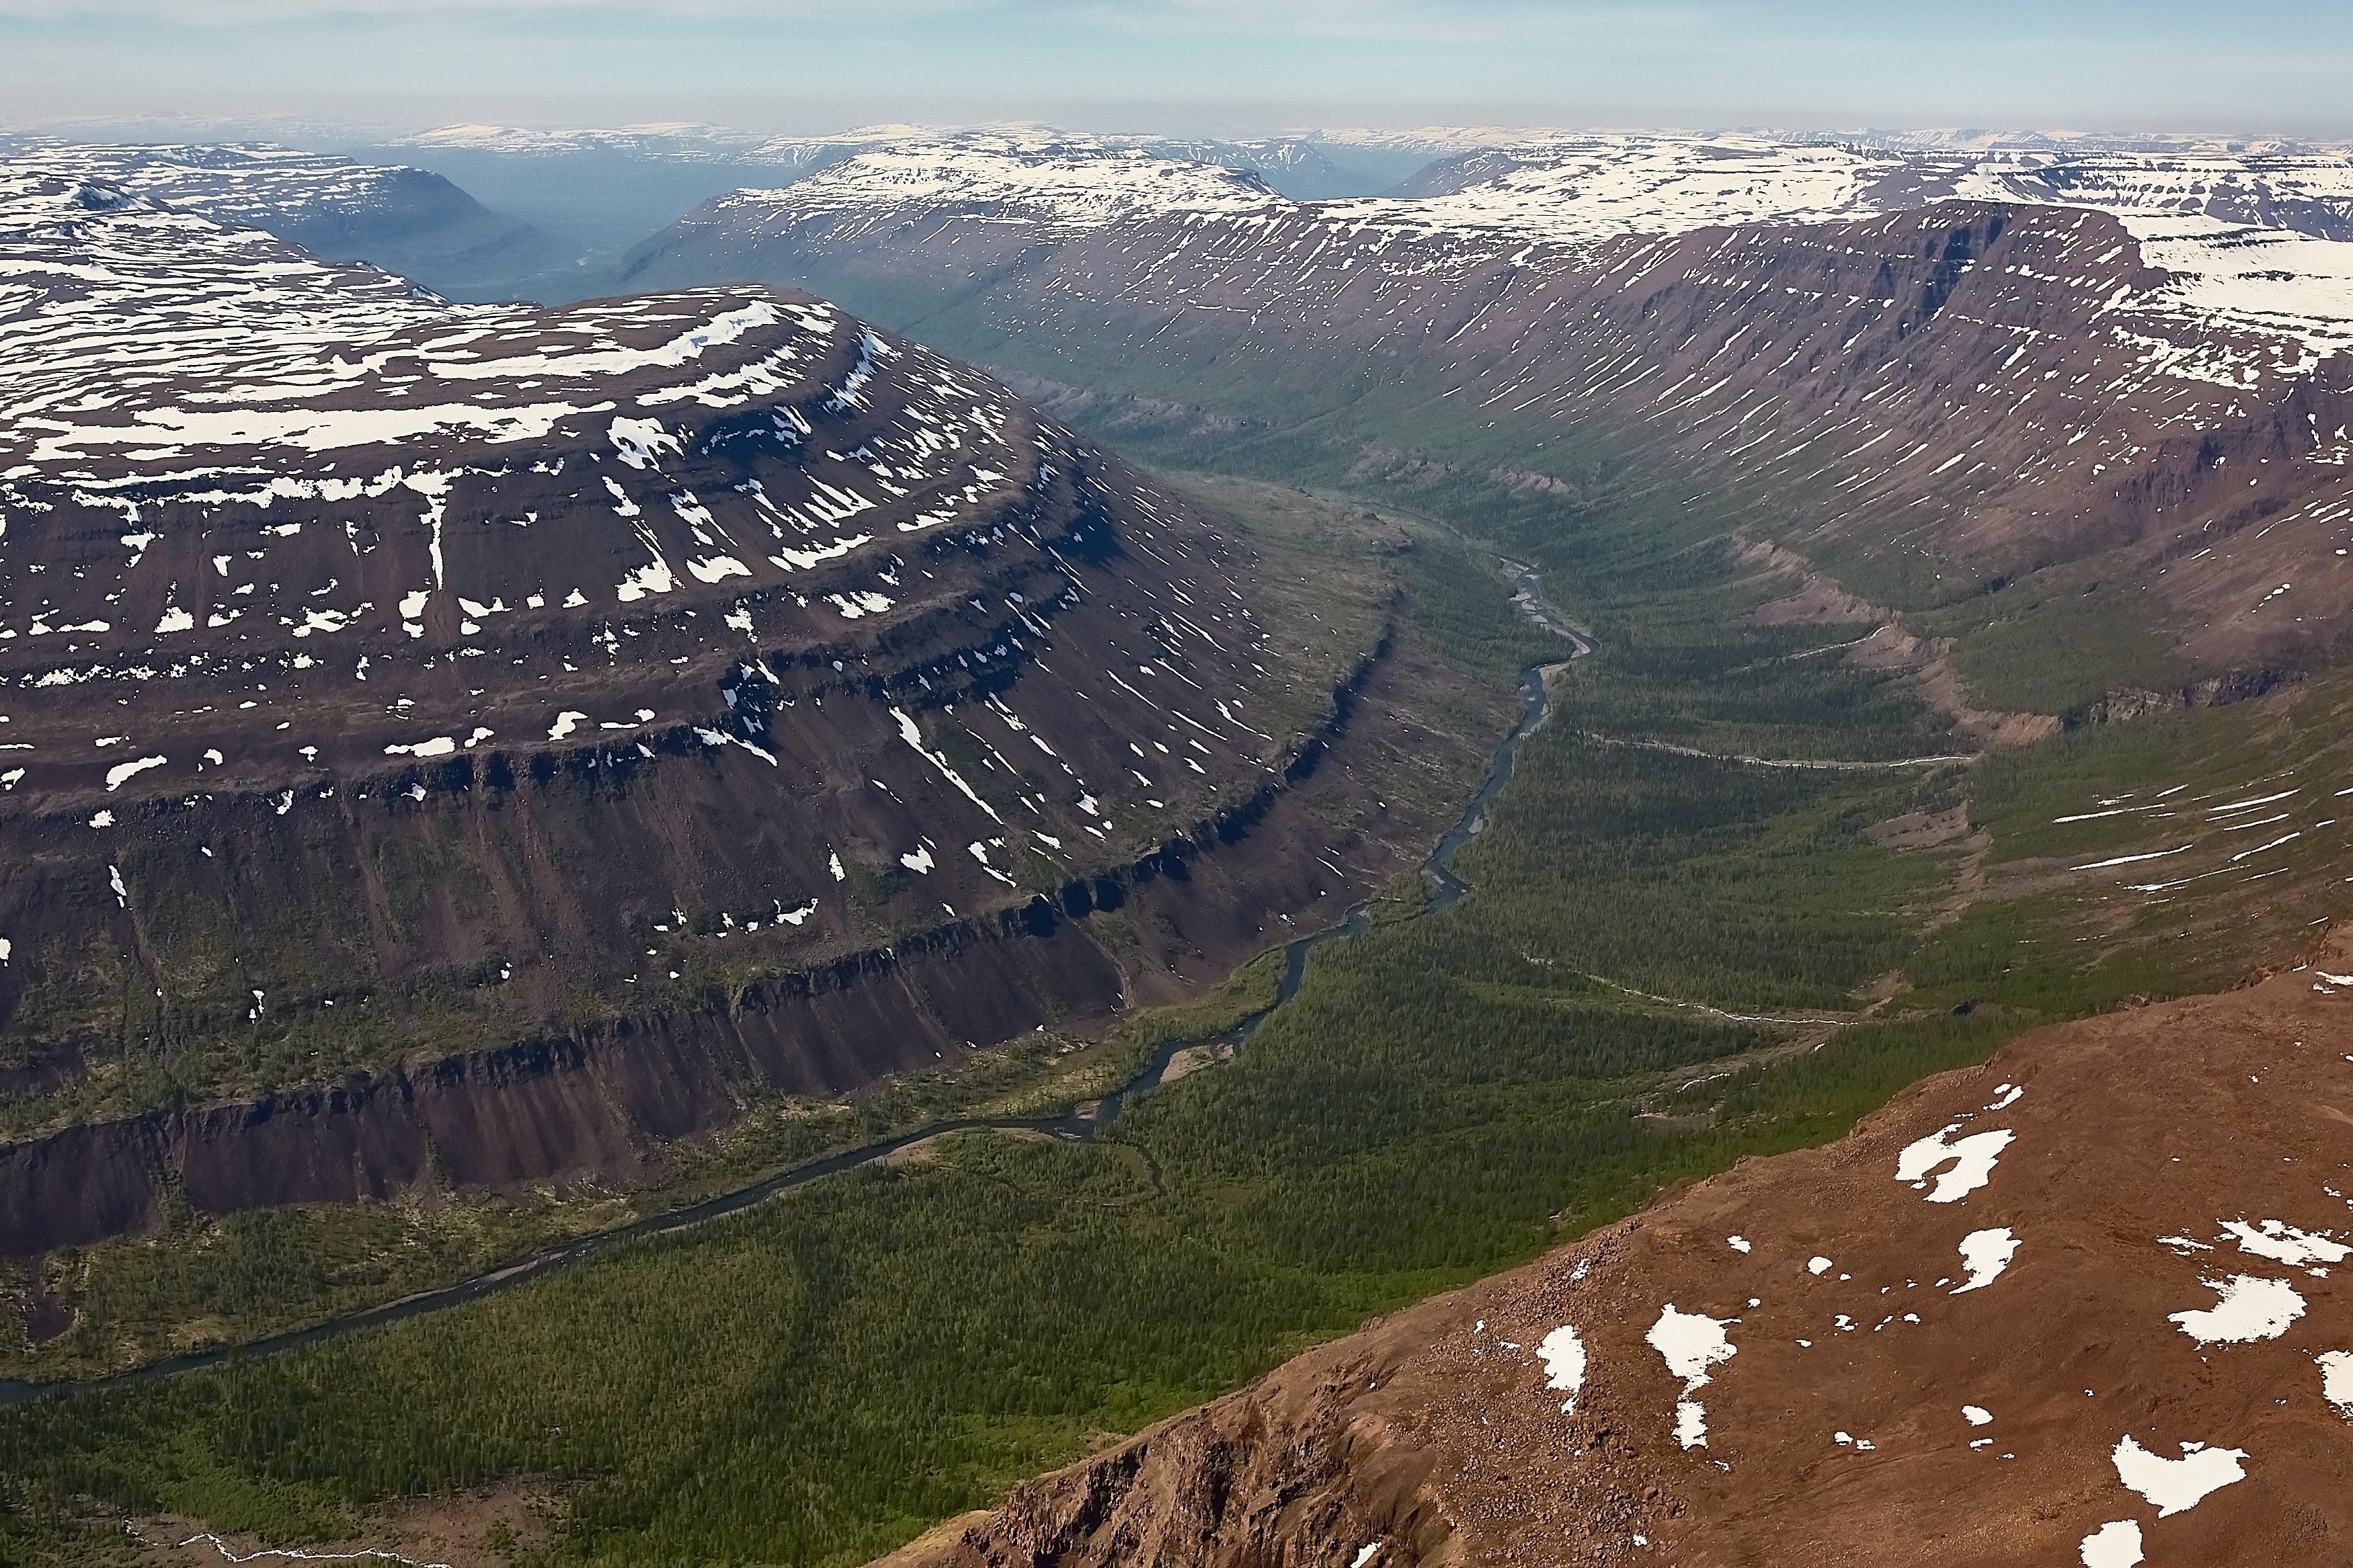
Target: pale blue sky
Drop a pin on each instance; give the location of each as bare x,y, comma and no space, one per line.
1227,66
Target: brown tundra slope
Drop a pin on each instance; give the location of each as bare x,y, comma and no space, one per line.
2089,1303
476,744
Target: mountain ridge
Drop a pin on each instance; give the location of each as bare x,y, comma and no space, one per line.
507,698
2083,370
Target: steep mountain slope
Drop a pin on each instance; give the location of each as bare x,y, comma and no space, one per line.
2082,1304
406,220
1941,372
476,744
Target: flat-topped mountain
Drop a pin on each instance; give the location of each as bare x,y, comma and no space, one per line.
1963,368
701,694
1053,182
2084,1304
403,219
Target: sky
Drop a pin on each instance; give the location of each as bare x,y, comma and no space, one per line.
1216,67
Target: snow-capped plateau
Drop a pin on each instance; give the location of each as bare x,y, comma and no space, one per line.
1013,178
407,220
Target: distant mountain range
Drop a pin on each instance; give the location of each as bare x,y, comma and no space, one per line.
2030,357
406,220
1310,166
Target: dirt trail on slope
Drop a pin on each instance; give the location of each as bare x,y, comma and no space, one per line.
1873,1410
1817,600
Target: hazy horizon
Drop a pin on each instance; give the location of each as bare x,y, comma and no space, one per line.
381,68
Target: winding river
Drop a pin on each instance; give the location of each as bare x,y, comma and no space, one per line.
1083,1123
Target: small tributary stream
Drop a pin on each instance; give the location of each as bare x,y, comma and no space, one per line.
1082,1123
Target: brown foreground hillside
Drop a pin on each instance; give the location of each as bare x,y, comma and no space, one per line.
2085,1304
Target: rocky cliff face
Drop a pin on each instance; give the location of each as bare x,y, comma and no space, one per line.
1963,367
2082,1304
521,734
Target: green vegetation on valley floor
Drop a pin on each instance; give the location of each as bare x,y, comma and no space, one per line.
816,1380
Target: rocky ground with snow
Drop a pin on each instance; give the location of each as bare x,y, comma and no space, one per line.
2085,1304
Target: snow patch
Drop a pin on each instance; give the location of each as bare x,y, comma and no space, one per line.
2251,1308
2116,1544
1971,1158
2177,1486
2335,1367
1690,1342
2283,1242
1986,1253
1564,1362
121,773
641,442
